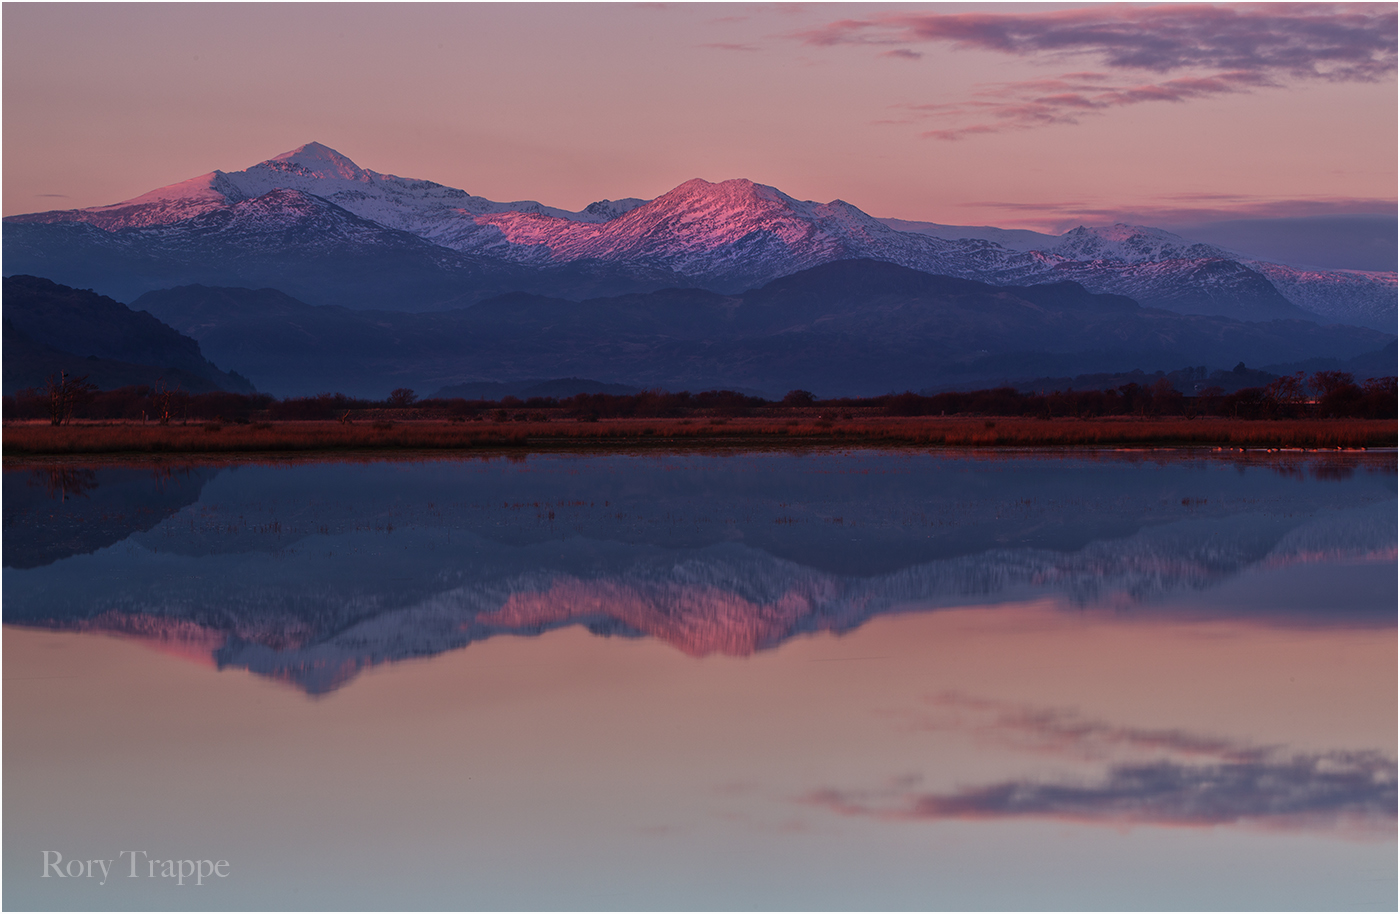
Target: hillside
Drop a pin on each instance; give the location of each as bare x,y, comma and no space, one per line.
51,328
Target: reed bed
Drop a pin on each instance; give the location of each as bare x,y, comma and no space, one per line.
31,439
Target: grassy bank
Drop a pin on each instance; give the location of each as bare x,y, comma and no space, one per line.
34,439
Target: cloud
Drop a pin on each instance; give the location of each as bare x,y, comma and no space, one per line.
1065,99
1155,777
1307,40
1181,209
730,46
1067,733
902,53
1230,49
1353,791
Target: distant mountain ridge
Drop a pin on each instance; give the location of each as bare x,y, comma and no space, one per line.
846,327
559,388
314,224
1364,297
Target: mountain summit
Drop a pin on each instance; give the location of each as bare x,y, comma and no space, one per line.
726,235
419,245
315,160
401,203
1131,244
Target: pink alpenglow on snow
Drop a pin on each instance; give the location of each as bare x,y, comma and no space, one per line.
727,236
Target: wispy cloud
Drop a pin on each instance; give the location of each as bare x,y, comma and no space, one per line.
1067,733
729,46
1180,209
1065,99
902,54
1227,49
1173,778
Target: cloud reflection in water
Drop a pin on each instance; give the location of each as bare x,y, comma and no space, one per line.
1173,778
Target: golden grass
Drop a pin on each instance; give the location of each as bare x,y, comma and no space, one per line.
32,439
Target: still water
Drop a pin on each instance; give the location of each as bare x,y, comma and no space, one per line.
760,680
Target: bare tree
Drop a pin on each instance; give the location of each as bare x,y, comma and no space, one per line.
1288,389
65,394
160,400
1327,383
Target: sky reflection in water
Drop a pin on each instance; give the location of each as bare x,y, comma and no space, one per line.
947,644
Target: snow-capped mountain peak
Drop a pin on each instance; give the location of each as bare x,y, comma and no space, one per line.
1131,244
316,160
694,219
433,211
605,210
727,236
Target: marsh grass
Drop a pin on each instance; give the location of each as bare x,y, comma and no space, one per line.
24,439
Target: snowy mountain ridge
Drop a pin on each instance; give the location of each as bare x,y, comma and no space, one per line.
402,203
733,235
1132,244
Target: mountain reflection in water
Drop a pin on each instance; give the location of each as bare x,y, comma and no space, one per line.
309,573
53,512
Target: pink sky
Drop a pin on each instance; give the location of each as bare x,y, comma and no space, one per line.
1032,115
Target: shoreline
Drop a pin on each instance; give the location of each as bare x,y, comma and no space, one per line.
26,440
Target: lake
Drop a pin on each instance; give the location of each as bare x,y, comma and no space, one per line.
782,679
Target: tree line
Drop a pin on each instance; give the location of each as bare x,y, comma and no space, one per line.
1324,394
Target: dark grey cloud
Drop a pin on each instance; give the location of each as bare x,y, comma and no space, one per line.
1352,791
1348,240
1349,42
1230,49
1181,211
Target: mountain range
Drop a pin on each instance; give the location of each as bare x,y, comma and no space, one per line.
846,327
316,226
307,272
